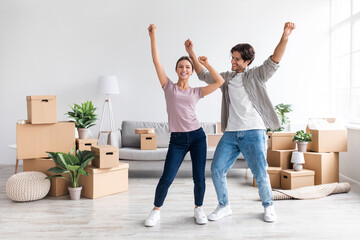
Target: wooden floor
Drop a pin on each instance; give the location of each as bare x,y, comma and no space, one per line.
122,216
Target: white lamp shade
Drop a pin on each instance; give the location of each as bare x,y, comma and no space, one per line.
297,158
108,85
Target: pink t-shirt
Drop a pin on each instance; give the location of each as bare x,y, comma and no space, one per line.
180,106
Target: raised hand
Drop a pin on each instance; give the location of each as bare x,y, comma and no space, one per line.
189,46
204,61
288,28
152,30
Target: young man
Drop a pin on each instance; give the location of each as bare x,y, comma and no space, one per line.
245,113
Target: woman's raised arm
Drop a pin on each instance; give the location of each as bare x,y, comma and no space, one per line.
155,56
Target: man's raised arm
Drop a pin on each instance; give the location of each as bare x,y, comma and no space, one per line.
281,47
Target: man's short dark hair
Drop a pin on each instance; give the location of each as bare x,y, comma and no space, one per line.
246,51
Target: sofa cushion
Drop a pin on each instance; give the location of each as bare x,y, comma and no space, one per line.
128,153
130,139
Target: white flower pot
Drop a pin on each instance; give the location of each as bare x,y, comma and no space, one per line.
75,193
302,146
83,133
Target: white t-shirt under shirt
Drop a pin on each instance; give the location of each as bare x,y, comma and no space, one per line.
180,106
242,114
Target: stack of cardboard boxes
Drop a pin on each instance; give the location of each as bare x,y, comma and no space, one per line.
107,175
279,152
321,159
44,133
323,154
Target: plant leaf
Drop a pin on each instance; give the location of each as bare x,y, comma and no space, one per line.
57,170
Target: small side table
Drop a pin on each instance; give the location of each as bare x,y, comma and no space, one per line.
13,146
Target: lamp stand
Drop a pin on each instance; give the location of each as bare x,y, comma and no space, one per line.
111,117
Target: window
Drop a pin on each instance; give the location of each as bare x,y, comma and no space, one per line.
345,60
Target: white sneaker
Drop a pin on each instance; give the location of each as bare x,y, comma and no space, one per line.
269,214
153,218
200,216
220,212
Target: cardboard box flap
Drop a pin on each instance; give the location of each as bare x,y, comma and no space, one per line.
41,97
95,170
292,173
281,134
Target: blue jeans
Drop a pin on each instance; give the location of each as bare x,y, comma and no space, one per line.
180,144
252,144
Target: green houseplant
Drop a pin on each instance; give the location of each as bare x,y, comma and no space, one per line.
73,166
84,117
281,110
302,138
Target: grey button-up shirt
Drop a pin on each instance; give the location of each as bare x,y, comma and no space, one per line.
254,83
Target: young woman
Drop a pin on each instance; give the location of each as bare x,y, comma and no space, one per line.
186,132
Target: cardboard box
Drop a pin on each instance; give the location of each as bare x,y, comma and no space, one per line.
279,158
281,141
274,175
291,179
59,186
41,109
104,182
213,139
148,141
218,128
86,144
106,156
325,165
34,140
327,140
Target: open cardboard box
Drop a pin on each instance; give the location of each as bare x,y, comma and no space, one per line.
333,139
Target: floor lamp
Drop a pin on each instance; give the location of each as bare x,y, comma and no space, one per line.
107,85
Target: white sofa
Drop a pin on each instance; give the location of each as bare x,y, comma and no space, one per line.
129,142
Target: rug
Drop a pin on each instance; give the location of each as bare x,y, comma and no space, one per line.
311,192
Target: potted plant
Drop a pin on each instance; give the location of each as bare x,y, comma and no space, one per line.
84,117
302,138
281,110
73,166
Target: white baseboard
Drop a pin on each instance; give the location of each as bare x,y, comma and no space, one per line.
343,176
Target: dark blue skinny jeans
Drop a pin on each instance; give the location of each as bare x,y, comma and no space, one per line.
180,144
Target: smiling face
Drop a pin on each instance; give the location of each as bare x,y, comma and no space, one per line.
184,69
237,63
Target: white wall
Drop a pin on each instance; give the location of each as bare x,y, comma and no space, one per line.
50,47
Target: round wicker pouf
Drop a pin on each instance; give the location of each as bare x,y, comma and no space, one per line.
27,186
